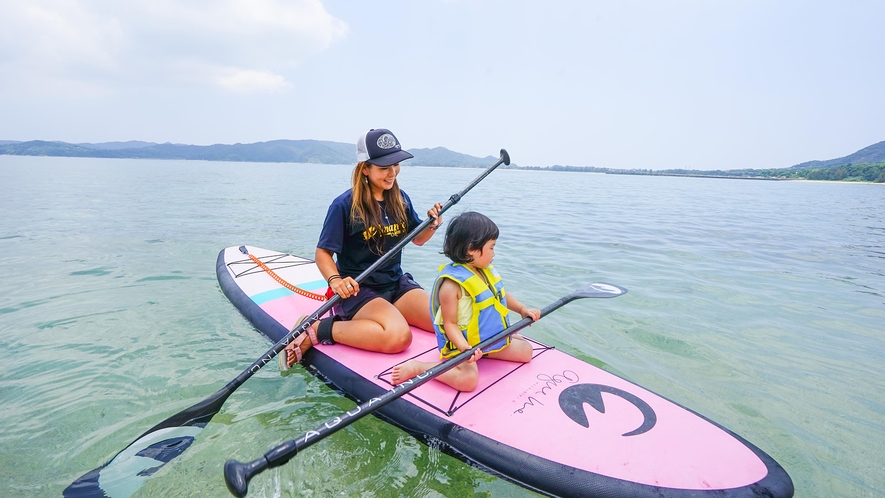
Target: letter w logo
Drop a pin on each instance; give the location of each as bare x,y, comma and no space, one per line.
572,400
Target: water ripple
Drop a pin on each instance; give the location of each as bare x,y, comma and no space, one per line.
757,304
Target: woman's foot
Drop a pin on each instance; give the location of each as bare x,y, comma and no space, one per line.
295,350
405,371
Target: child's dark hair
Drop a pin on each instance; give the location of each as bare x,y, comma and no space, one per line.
468,231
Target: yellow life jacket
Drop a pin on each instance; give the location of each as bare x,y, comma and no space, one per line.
489,307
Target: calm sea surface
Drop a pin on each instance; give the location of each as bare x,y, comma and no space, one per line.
760,305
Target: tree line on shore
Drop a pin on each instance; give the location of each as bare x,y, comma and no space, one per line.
864,172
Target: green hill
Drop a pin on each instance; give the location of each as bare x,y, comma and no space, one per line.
440,156
868,155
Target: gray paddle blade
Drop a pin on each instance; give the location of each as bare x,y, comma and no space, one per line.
599,289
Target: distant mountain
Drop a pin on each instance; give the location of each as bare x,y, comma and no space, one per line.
873,154
42,148
295,151
440,156
132,144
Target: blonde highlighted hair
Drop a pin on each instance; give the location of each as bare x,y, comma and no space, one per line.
366,210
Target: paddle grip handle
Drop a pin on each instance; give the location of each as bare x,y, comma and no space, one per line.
238,474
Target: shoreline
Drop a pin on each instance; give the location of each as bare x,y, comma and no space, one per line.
513,168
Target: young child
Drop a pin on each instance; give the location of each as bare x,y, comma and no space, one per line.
469,305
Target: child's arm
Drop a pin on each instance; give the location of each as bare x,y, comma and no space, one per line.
522,310
449,294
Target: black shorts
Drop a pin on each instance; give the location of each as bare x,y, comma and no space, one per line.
347,308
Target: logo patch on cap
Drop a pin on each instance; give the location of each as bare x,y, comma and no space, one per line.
386,141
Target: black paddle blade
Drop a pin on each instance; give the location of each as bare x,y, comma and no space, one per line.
129,469
505,157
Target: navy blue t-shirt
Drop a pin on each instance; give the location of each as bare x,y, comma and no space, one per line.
349,241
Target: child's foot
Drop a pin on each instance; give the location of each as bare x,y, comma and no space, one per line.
405,371
295,350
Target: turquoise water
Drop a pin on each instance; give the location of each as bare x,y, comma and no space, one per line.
760,305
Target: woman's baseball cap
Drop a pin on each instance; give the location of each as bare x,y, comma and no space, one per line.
380,147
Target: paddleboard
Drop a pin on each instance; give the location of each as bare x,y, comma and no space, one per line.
557,424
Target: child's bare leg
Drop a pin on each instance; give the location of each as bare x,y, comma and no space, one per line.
409,369
464,377
519,350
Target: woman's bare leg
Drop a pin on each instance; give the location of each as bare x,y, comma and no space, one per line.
377,326
415,308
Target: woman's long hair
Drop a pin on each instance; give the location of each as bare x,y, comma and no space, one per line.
365,209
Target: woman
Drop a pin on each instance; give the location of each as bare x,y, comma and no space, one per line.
362,224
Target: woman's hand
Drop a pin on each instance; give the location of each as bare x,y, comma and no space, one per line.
345,287
434,213
427,233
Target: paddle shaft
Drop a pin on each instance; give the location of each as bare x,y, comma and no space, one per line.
238,474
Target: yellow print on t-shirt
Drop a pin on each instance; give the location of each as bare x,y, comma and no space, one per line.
394,230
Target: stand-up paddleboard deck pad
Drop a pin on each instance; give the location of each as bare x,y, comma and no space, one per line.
556,424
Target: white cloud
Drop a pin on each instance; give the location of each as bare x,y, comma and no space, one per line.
249,81
53,33
238,45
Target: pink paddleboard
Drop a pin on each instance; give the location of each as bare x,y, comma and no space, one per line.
557,424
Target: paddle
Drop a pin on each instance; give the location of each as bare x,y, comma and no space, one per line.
171,437
237,474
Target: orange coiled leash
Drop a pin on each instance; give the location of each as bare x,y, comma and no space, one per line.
296,290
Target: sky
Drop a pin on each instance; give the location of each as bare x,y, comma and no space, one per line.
647,84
